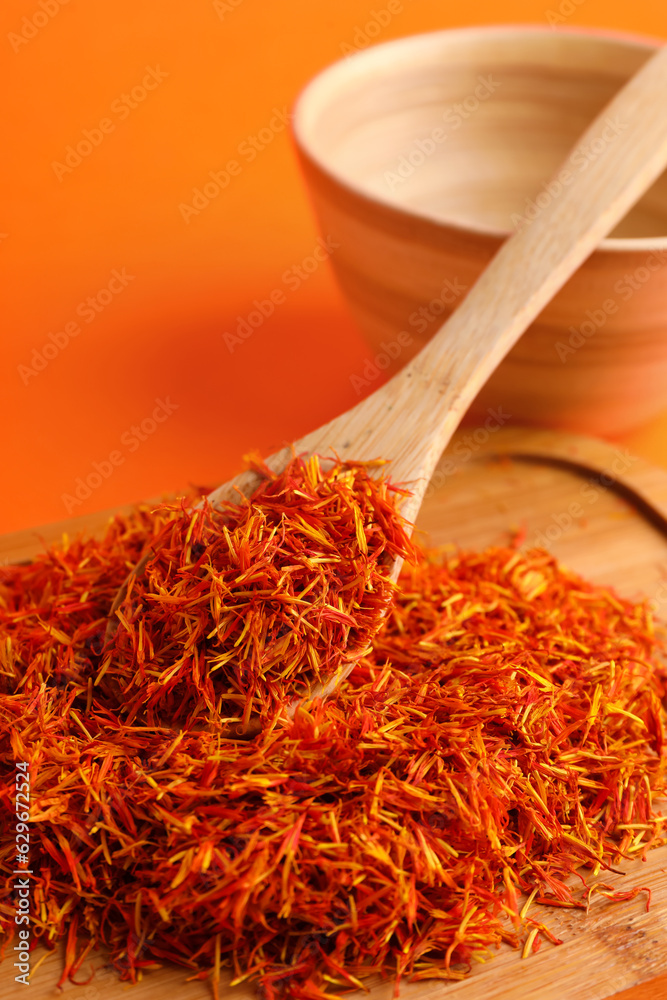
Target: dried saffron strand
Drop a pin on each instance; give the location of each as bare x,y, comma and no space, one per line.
505,729
244,605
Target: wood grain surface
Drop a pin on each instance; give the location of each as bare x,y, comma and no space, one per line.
603,512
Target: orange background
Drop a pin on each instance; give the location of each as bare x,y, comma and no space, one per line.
228,67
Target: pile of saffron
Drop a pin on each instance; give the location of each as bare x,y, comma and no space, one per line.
502,729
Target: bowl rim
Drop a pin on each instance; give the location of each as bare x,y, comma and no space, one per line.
312,91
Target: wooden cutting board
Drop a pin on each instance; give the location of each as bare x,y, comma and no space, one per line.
603,512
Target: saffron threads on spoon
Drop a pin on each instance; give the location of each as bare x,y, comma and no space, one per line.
244,607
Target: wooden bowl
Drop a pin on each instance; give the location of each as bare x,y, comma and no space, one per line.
423,154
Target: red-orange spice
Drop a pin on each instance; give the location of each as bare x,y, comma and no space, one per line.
243,606
505,729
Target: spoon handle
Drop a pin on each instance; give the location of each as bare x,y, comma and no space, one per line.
413,416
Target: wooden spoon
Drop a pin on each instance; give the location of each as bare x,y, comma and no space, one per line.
412,417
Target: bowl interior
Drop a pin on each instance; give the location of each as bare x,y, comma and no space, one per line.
465,126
